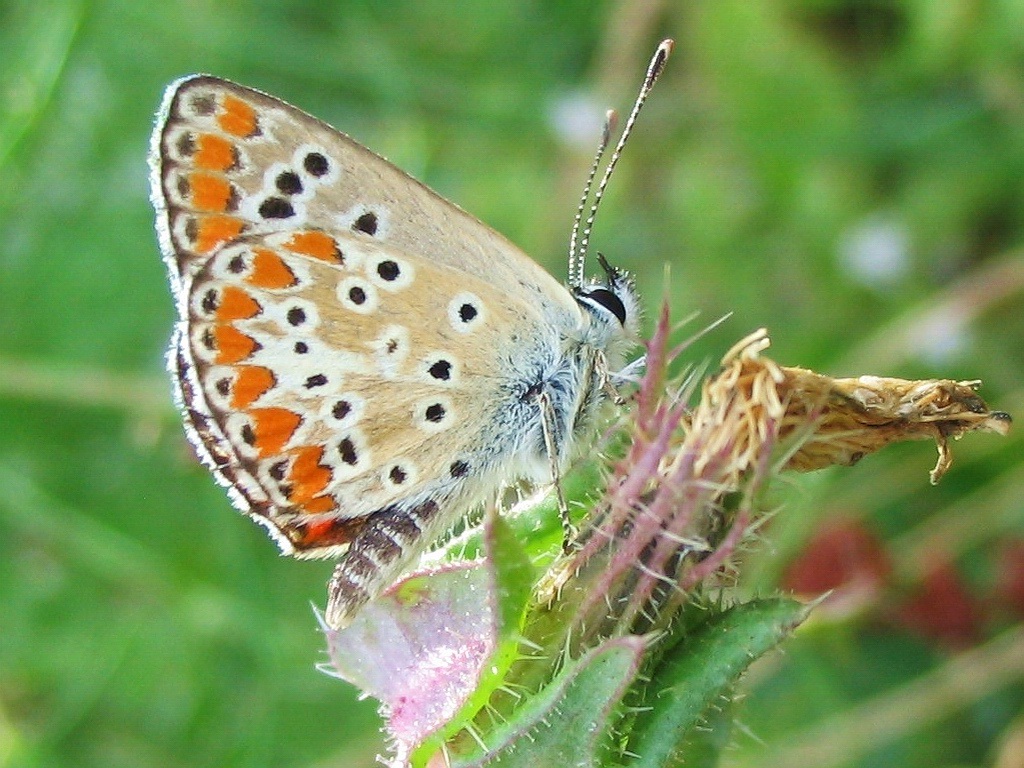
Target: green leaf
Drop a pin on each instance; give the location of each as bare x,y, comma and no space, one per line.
697,674
568,722
513,575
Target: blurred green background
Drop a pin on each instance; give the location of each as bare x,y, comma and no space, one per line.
849,173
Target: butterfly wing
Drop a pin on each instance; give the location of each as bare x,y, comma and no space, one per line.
350,344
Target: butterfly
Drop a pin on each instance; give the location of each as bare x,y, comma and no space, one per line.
357,360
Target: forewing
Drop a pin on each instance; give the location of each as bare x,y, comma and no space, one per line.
229,161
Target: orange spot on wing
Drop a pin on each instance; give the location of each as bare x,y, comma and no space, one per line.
236,304
216,230
269,270
209,192
309,478
213,153
273,428
251,382
233,346
319,245
237,117
320,504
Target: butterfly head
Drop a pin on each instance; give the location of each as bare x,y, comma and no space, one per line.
613,307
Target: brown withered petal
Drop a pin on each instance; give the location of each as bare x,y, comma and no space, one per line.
846,419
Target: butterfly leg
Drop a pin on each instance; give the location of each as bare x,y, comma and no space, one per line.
547,423
605,381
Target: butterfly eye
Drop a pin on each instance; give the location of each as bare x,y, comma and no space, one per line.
607,299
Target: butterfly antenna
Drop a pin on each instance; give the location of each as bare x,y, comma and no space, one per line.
578,256
611,119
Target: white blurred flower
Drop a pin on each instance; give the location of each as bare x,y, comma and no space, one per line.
876,252
576,119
